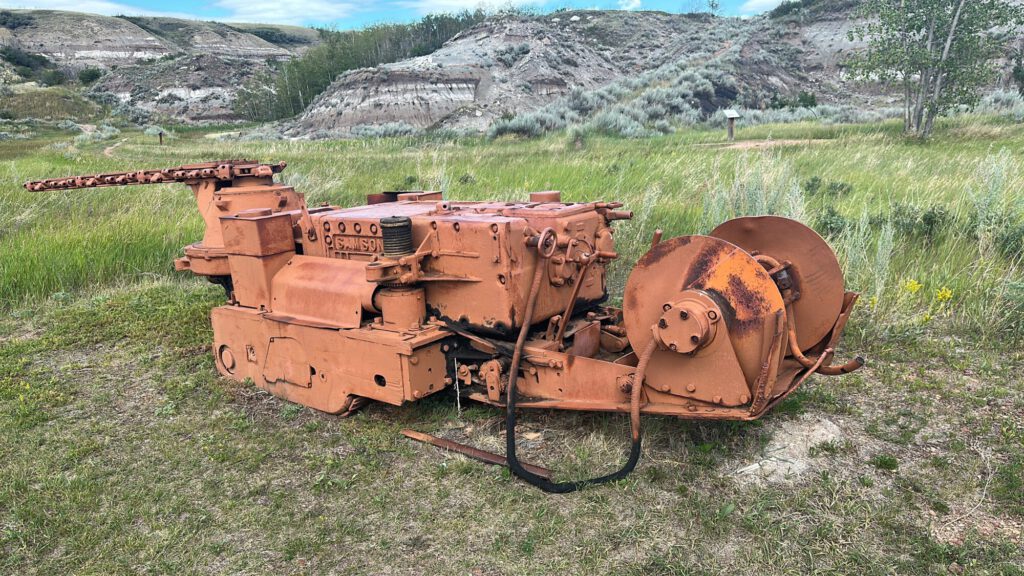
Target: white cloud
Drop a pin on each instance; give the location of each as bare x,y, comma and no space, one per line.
629,4
758,6
92,7
431,6
285,11
269,11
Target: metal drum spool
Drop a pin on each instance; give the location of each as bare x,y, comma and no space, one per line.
814,269
742,289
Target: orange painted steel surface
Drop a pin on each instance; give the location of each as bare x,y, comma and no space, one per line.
399,299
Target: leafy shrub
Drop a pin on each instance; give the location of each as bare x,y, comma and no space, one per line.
836,188
996,212
388,130
509,55
1003,103
830,223
764,184
815,186
52,77
533,124
616,122
917,222
802,100
806,99
89,75
1010,241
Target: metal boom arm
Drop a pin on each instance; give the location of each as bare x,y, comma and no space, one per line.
223,171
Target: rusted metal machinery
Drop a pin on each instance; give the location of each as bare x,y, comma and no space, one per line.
412,294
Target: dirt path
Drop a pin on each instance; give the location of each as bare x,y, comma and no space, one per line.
751,144
109,150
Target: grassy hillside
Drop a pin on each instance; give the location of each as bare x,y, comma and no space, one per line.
121,452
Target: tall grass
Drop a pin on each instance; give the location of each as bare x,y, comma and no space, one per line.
924,231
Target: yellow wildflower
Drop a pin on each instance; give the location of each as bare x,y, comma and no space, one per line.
873,301
912,286
943,294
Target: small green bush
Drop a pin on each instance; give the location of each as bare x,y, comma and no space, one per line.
815,185
802,100
387,130
52,77
89,75
884,462
838,188
1010,241
509,55
914,221
830,223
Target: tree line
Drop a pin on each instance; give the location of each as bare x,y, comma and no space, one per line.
289,89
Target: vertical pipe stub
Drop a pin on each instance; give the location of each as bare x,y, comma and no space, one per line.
397,235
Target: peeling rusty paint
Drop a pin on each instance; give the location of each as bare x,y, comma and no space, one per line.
662,249
702,266
751,306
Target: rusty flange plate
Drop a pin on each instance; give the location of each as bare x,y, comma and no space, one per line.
816,273
742,288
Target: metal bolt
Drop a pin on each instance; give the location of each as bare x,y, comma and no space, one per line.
662,324
717,399
665,388
691,388
673,347
744,399
712,315
666,307
414,360
684,314
695,338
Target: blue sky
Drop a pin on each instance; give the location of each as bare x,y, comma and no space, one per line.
356,13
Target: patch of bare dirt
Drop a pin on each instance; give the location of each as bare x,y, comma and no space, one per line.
788,456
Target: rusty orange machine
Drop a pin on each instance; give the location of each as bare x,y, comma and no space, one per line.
413,294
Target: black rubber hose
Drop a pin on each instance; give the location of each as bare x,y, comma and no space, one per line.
510,405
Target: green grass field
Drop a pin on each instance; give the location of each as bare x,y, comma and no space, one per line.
121,451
